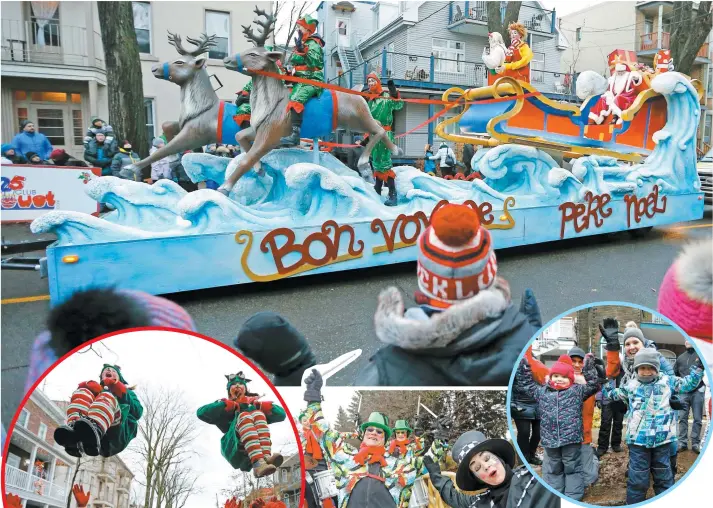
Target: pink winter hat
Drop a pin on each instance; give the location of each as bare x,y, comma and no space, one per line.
686,293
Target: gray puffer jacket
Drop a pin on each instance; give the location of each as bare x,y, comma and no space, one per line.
120,162
560,410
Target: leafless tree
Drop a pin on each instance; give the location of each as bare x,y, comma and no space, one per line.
496,23
287,14
690,30
166,431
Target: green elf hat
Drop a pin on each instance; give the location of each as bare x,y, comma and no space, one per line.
402,425
379,421
116,368
235,379
308,23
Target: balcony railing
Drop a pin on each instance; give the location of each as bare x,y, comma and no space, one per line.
18,479
650,42
54,45
442,73
539,20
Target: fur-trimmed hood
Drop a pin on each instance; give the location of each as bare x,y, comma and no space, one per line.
414,329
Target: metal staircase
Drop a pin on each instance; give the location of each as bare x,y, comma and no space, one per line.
351,58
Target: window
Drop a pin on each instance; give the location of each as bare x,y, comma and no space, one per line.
24,418
390,48
45,24
648,26
707,129
537,66
342,27
150,119
285,476
710,81
50,122
142,25
78,127
21,115
218,24
42,432
579,34
449,55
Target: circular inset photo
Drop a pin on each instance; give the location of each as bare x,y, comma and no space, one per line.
153,418
610,405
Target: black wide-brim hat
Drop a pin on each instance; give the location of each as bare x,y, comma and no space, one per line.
467,446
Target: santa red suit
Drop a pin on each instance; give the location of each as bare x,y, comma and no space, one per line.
620,94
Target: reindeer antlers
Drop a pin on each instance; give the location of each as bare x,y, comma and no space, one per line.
202,45
267,27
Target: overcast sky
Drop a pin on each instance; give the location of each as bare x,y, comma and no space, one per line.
195,366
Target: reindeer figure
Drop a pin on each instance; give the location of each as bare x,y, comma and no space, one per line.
269,119
198,123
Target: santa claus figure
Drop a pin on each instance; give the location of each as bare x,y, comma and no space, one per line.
621,92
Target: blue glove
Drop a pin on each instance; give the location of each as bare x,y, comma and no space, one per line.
298,44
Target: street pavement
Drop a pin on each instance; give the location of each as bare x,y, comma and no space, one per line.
335,311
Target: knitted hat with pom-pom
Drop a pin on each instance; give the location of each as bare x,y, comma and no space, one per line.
686,293
563,367
456,259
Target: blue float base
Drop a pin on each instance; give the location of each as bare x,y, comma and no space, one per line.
174,264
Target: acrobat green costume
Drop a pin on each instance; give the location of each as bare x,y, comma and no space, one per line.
246,438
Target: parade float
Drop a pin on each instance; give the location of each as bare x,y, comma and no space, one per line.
625,159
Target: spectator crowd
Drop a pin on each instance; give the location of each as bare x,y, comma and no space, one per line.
103,150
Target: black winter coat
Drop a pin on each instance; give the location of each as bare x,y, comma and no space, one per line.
525,492
523,406
560,410
481,351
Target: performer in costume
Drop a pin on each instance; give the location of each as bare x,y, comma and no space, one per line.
315,462
620,94
242,118
382,109
369,476
401,446
102,418
517,56
308,62
243,420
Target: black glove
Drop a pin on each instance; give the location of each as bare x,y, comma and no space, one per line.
697,363
364,141
529,307
314,382
242,99
392,88
601,373
443,428
299,45
431,466
610,331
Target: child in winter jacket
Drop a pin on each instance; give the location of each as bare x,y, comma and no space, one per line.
9,152
98,126
650,421
560,404
429,166
162,167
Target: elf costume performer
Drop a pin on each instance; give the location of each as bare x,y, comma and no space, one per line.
244,420
401,444
402,447
517,56
242,117
382,108
308,62
102,418
368,476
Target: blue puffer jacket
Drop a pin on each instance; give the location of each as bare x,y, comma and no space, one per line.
650,421
33,142
560,410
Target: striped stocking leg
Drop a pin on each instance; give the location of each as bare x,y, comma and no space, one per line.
103,410
79,404
249,436
263,432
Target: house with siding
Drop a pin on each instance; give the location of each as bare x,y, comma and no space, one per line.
427,48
